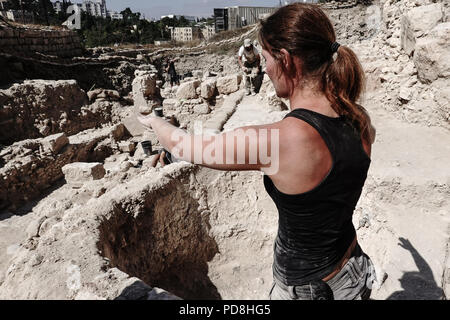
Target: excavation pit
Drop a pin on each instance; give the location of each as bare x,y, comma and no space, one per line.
203,236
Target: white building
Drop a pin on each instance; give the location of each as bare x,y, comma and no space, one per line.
208,32
239,16
185,34
95,8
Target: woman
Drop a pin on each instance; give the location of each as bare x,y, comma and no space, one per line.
320,152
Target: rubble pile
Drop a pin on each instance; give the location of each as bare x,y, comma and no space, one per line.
406,61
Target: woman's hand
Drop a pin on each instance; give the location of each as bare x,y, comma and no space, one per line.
159,157
146,121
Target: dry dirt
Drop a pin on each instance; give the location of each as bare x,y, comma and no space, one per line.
184,231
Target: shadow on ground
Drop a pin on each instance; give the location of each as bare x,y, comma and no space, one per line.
417,285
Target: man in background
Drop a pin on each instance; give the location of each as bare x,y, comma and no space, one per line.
249,61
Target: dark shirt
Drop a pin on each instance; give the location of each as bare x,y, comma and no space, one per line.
171,69
315,228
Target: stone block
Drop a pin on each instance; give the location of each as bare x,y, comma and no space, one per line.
432,54
77,173
228,84
208,88
127,146
187,90
55,142
134,127
417,22
202,109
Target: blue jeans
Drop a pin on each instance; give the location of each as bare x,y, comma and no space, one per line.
353,282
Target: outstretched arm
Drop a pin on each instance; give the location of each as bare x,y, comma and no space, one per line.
246,148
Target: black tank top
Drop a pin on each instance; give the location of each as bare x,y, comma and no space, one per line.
315,228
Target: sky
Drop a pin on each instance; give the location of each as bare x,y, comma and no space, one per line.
199,8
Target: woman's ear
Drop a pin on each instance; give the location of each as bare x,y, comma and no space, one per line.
286,59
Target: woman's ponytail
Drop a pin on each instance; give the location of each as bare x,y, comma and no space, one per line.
343,83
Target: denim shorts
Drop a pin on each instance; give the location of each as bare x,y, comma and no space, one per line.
353,282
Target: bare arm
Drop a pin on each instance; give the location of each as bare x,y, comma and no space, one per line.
240,62
246,148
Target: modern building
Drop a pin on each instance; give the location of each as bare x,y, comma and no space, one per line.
230,18
220,19
239,17
185,34
95,8
208,32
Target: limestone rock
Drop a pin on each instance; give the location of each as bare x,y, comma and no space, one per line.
208,88
144,83
432,54
197,74
417,22
33,228
187,90
55,143
405,94
148,107
79,172
36,108
202,109
228,84
119,131
109,95
133,126
127,146
171,104
146,94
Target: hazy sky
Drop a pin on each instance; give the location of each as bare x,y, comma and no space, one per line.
200,8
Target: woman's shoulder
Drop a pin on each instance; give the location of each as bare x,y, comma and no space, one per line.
299,133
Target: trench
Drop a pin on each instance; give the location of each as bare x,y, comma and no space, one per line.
208,239
167,245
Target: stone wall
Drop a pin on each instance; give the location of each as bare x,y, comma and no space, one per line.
25,41
29,167
39,108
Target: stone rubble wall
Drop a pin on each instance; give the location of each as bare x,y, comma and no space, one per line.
40,161
38,108
23,41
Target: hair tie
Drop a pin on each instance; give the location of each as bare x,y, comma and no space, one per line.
334,47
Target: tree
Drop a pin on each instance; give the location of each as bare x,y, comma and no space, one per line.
183,22
128,15
45,8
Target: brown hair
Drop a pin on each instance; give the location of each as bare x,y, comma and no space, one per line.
306,32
